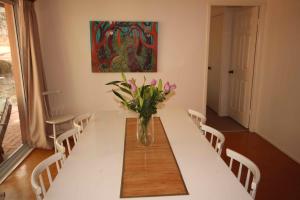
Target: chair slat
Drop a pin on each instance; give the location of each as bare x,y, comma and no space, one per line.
68,145
240,171
49,175
42,184
247,179
230,165
57,166
75,139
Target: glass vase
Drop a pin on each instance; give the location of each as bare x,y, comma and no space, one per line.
145,130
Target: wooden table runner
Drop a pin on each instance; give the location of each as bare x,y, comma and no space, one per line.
151,170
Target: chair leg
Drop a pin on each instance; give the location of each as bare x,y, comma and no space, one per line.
54,137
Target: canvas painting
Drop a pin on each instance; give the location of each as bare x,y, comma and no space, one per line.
124,46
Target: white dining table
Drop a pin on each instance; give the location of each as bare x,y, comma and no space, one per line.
93,170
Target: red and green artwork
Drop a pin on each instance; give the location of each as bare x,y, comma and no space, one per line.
124,46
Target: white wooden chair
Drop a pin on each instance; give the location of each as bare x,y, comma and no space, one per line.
197,117
54,113
217,139
65,138
37,181
252,169
81,121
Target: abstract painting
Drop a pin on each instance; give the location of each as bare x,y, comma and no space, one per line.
123,46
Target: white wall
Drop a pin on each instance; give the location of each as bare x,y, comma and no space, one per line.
65,41
279,108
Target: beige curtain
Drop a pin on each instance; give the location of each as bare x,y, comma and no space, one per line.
34,82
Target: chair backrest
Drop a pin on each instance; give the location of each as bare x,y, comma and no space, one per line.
252,169
65,138
4,121
81,121
198,117
216,139
51,103
37,181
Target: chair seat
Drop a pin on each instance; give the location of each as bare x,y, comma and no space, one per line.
60,119
59,131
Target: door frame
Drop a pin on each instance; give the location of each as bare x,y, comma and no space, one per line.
8,166
10,9
258,67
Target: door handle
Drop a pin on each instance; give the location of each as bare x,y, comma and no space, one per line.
209,67
230,71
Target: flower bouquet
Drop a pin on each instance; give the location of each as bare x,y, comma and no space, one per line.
142,100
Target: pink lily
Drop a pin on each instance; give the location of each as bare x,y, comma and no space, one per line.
167,87
153,82
173,87
132,85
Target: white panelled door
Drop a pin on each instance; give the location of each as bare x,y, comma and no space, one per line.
214,62
245,24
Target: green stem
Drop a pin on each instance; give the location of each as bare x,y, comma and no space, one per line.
143,132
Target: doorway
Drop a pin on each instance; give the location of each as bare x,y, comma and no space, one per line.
231,61
13,143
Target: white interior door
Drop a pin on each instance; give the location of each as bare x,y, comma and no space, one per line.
245,22
214,62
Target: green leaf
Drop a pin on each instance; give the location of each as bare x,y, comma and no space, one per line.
124,77
159,85
151,91
124,103
141,101
126,85
139,92
119,95
125,90
113,83
142,91
145,90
